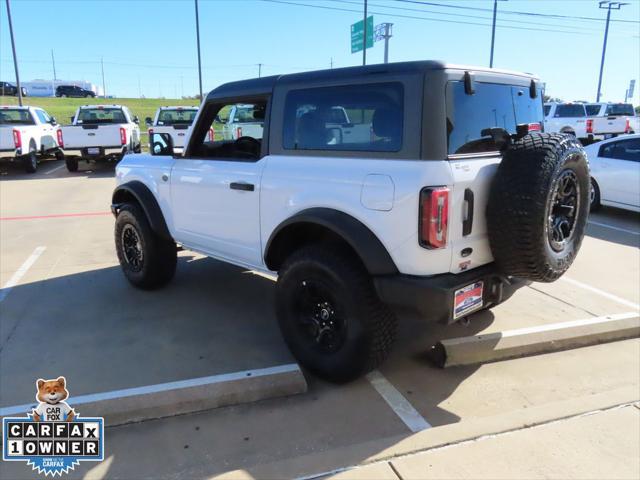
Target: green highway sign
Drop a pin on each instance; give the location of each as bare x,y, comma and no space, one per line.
357,34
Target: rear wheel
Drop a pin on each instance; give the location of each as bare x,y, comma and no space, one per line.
31,159
72,164
147,260
330,315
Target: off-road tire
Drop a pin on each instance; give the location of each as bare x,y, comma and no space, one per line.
595,200
30,160
369,325
71,163
522,203
159,255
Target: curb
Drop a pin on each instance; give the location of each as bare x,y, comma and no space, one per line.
496,346
129,405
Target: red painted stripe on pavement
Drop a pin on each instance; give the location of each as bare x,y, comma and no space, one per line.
59,215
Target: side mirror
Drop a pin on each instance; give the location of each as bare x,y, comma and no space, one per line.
53,121
220,120
136,119
161,144
148,121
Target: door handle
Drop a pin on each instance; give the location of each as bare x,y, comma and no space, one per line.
246,187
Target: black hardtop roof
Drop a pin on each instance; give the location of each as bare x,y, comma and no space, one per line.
264,85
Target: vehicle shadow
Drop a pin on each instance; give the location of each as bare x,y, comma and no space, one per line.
103,335
56,169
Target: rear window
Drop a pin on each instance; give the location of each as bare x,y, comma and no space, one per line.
14,116
625,109
94,116
177,117
592,110
570,111
367,118
547,109
491,106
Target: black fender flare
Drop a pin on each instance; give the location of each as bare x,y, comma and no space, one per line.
362,240
147,201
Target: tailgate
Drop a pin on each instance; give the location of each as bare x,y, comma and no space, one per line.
6,138
79,136
604,125
467,219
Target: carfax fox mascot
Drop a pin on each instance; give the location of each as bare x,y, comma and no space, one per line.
52,407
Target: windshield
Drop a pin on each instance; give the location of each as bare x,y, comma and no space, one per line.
620,109
570,111
15,117
177,117
101,115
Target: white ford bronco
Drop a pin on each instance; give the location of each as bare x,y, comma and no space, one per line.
453,195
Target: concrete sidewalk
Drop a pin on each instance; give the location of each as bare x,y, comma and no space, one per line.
602,445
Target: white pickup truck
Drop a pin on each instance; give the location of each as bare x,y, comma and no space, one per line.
28,134
176,122
612,119
243,121
569,118
100,132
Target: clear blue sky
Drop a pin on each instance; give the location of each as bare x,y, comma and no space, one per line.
149,46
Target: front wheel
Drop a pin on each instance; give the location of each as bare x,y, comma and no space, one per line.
147,260
330,315
594,196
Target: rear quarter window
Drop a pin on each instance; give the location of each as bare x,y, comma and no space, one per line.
491,106
366,118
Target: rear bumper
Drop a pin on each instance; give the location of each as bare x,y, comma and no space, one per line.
432,297
9,153
103,152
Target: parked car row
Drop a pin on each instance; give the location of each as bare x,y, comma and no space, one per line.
590,122
97,133
10,90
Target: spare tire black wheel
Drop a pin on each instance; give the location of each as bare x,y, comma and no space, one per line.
538,206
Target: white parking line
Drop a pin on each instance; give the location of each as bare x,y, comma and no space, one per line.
54,169
602,293
632,232
15,278
400,405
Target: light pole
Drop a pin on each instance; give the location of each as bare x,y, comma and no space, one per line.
15,59
608,6
364,41
493,30
104,85
198,40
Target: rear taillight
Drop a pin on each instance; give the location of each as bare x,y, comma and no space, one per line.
123,136
434,217
210,134
534,127
60,139
627,127
590,125
238,132
17,139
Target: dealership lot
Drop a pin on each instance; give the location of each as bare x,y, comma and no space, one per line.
70,312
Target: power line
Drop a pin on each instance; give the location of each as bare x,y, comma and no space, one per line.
325,7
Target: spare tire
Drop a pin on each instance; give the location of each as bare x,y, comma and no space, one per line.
538,206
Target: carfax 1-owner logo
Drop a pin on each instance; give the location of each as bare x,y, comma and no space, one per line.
52,438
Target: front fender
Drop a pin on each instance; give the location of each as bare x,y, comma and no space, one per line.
141,194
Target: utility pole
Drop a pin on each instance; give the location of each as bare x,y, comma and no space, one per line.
198,40
331,62
259,70
387,35
53,60
608,6
493,30
104,85
364,40
15,59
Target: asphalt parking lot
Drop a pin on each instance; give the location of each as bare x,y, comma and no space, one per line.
67,310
